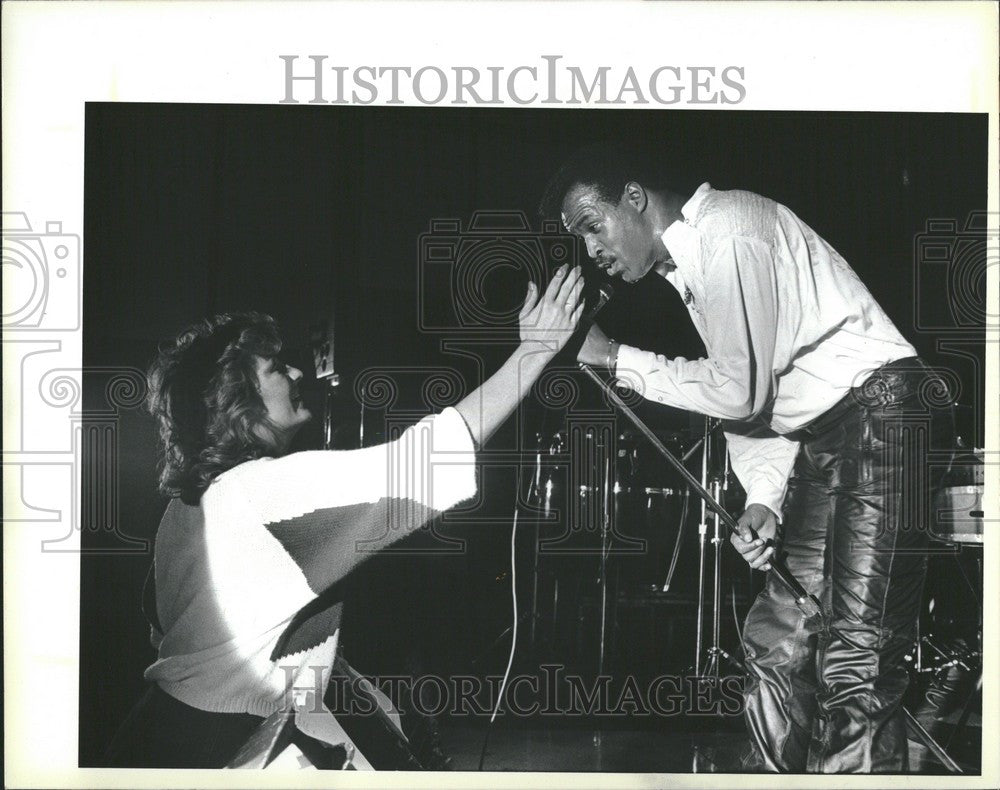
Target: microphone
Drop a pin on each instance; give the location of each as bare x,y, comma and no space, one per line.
604,295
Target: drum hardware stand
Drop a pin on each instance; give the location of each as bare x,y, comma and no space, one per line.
328,393
677,544
603,567
534,492
969,660
978,688
806,603
702,535
715,652
540,494
950,658
710,481
954,658
694,448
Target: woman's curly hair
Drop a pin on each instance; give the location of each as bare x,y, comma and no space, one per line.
204,393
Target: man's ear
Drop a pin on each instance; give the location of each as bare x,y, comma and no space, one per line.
635,194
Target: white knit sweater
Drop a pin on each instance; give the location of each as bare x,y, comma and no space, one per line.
266,539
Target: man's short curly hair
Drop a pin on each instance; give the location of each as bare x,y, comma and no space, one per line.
607,167
204,393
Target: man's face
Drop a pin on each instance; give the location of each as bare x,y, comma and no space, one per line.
618,237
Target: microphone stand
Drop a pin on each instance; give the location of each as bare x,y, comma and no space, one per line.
329,391
806,603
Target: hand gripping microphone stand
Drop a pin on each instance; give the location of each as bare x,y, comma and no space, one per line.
807,603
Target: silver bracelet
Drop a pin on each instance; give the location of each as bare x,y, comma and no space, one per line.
607,360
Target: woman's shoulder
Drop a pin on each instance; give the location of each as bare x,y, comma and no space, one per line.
267,477
234,482
241,470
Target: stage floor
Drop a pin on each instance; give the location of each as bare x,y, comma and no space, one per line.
556,746
534,747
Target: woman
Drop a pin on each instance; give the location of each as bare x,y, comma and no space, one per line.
254,542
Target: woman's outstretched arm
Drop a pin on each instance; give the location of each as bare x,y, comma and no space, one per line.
546,324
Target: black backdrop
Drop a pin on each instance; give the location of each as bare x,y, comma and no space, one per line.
297,211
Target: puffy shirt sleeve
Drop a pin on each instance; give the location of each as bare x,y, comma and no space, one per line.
763,462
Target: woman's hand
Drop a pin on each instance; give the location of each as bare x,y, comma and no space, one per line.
551,318
546,324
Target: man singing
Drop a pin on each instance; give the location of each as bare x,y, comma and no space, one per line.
829,419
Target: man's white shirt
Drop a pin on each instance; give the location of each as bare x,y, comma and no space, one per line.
788,329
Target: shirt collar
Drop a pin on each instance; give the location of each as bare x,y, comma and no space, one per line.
690,209
689,212
681,238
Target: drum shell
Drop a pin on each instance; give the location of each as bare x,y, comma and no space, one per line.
958,514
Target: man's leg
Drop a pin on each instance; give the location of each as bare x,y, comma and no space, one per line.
779,642
879,563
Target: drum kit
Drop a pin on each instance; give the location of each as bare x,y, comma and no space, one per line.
616,527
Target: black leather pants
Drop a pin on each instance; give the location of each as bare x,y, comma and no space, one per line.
824,695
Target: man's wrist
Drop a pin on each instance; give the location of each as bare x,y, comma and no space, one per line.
611,361
768,507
